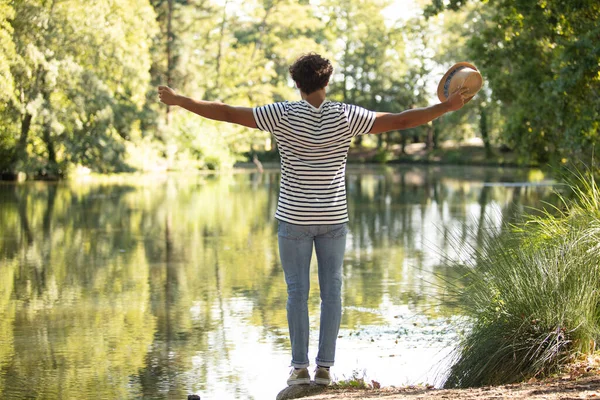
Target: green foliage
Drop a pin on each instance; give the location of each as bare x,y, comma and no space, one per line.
75,95
483,115
210,142
8,56
72,94
78,89
541,60
533,294
7,51
382,156
373,70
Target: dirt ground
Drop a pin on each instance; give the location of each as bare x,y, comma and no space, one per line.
566,387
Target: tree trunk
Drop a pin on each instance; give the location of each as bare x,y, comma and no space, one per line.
380,141
220,49
387,139
47,129
403,140
21,149
49,145
483,129
169,53
429,142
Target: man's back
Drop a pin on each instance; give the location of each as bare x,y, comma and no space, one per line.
313,144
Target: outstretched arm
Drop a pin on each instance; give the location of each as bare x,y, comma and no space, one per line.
208,109
385,122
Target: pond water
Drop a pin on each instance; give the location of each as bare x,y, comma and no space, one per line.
162,286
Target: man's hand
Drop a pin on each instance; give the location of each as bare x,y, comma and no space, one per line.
168,96
457,99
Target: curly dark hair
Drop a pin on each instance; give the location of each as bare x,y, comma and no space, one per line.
311,72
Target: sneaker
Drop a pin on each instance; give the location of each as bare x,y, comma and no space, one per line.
322,376
299,376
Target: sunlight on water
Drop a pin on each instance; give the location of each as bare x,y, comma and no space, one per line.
159,287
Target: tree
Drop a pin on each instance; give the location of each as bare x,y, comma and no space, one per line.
454,28
371,58
8,57
541,61
79,88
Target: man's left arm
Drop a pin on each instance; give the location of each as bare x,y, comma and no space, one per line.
385,122
209,109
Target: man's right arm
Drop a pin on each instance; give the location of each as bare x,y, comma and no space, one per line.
385,122
209,109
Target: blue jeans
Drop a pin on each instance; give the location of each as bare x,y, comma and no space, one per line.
295,249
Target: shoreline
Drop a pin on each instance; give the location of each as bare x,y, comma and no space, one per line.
247,167
416,154
568,386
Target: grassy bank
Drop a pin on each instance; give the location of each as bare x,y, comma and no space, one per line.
449,152
533,294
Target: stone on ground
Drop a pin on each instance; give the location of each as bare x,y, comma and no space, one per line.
298,391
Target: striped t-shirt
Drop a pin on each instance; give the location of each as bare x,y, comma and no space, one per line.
313,145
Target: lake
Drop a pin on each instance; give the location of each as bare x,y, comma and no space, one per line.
157,287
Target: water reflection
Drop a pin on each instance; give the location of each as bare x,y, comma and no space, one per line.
159,287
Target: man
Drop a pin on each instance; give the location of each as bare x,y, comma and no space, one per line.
313,136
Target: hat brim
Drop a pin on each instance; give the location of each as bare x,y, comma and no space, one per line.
440,89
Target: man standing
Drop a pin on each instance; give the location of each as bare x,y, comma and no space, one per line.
313,137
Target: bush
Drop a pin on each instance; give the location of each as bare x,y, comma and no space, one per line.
382,156
533,294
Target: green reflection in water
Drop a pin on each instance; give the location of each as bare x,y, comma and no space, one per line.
157,287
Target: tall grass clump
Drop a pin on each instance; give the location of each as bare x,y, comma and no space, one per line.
533,294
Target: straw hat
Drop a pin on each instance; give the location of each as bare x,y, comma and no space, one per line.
462,74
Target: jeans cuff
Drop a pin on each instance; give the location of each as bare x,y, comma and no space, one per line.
299,365
324,363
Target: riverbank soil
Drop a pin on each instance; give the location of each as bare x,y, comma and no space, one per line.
565,387
580,380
